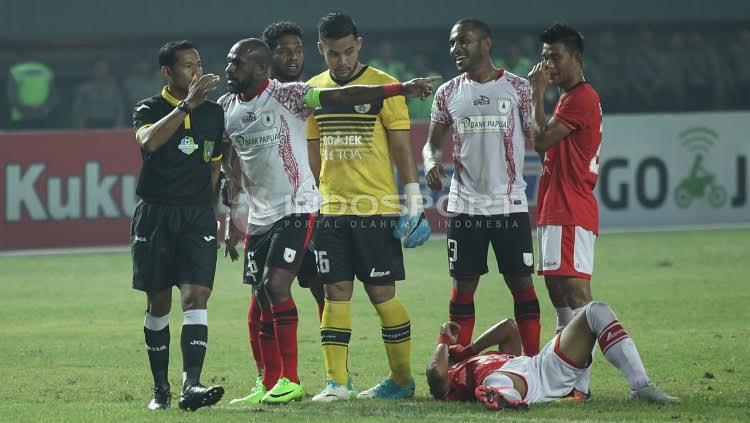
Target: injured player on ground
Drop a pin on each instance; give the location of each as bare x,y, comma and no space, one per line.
504,381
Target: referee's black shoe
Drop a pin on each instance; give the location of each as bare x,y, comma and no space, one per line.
161,399
197,396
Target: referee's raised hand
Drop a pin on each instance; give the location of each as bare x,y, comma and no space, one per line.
199,89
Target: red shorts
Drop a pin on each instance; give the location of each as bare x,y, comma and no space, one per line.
566,251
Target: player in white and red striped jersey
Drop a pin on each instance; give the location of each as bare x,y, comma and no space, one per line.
569,143
285,41
487,111
505,381
265,123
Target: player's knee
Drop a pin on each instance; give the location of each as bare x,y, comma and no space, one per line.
578,297
510,324
192,303
159,308
463,284
380,293
278,293
518,282
597,306
599,314
196,299
339,291
159,304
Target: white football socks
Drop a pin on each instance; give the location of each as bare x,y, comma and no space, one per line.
617,346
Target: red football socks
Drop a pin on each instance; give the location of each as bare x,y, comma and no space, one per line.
526,310
285,322
269,349
461,311
253,329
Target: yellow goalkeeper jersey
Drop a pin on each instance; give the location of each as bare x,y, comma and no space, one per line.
356,174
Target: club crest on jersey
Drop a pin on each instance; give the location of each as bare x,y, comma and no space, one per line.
503,106
268,118
187,145
362,108
289,255
208,149
482,101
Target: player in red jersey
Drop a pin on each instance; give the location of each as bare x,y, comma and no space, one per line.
503,381
567,212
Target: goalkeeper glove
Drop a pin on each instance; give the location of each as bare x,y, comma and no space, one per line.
413,225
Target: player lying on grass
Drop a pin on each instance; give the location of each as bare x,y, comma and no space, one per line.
503,381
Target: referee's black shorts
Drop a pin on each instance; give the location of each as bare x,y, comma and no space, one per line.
172,245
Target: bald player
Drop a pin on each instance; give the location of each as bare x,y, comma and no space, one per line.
265,124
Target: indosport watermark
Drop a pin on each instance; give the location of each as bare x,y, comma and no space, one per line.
369,205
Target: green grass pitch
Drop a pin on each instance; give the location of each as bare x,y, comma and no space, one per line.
72,341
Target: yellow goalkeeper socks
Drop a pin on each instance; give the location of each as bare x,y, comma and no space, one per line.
335,333
396,330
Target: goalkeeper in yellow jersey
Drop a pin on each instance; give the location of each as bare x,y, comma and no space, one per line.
361,222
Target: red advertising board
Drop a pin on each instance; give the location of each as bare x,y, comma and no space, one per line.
77,188
67,189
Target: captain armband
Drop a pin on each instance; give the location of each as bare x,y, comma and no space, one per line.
312,98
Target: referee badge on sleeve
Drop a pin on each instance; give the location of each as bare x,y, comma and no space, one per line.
208,149
187,145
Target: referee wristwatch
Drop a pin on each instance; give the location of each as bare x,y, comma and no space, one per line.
183,106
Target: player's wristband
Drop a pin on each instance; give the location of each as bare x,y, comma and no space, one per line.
430,157
445,339
391,90
312,98
413,199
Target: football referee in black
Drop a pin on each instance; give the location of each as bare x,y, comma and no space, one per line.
173,234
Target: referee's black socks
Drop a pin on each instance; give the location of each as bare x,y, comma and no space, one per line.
194,341
156,332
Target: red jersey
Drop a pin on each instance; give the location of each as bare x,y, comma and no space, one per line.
466,375
571,167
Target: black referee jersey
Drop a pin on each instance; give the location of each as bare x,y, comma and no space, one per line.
179,172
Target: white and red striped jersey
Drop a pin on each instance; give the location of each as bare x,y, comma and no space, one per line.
491,125
268,133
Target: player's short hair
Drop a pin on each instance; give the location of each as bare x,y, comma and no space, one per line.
565,34
439,385
336,25
276,30
481,26
168,52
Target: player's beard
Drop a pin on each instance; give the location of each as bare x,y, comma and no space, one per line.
239,87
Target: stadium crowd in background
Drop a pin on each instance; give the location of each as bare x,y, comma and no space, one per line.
636,70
